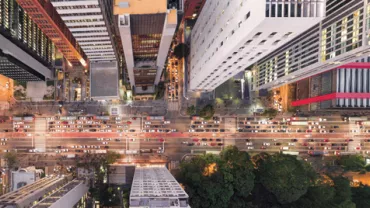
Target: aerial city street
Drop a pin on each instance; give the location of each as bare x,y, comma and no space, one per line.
184,103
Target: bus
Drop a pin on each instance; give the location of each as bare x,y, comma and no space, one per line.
150,118
290,153
299,123
357,118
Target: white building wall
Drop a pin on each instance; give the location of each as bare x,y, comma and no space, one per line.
72,197
125,32
225,38
166,40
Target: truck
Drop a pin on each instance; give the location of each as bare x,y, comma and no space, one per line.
299,123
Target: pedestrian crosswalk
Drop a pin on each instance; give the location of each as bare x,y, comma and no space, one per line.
173,106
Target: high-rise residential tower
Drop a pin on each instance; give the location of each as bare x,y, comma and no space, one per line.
231,35
146,29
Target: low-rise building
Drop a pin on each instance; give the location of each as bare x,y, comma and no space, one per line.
24,176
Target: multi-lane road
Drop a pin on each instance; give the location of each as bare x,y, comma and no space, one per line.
175,138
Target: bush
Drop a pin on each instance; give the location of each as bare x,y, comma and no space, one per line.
207,112
190,110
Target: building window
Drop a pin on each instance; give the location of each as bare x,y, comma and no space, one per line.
267,10
262,42
276,42
249,41
247,15
272,34
273,10
257,35
286,10
280,10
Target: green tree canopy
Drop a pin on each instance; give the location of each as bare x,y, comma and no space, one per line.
11,159
111,157
270,112
207,112
190,110
213,181
284,176
361,196
354,163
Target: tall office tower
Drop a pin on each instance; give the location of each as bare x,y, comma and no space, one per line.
341,38
231,35
89,26
26,52
156,187
146,29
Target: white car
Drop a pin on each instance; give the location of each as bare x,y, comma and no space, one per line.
204,122
266,144
3,143
105,142
354,131
27,127
73,146
144,130
291,144
249,143
108,139
204,144
191,130
173,130
4,139
216,122
185,142
250,147
167,122
99,139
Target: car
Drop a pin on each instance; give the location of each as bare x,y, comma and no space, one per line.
199,130
220,144
148,122
277,143
132,130
222,130
173,130
167,122
208,126
185,142
191,130
336,127
105,142
266,144
348,140
4,139
193,126
248,143
263,147
190,144
204,139
326,140
106,147
294,140
208,130
250,147
291,144
204,144
214,130
357,148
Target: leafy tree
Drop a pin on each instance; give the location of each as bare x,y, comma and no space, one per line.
224,181
342,190
354,163
219,101
111,157
284,176
207,112
11,159
236,101
361,196
181,50
270,112
190,110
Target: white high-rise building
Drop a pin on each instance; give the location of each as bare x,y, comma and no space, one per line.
88,24
156,187
231,35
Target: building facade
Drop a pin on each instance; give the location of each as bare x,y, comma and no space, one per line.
341,38
146,29
229,36
24,176
89,25
156,187
346,87
26,53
